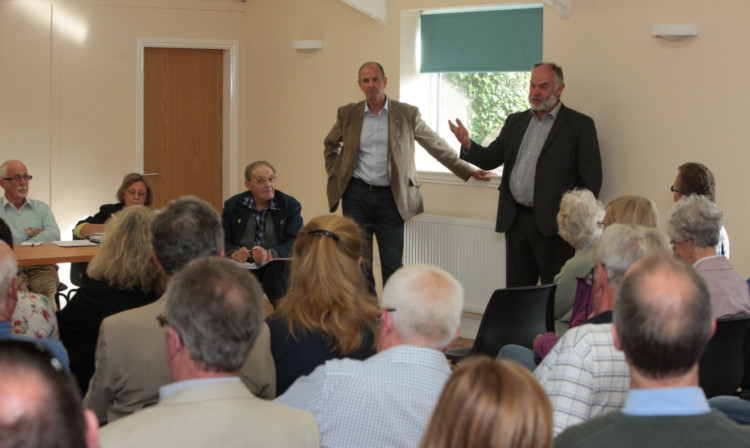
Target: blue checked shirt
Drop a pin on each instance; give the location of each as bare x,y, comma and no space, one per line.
259,217
385,401
584,375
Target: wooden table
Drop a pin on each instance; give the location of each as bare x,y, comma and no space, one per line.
51,253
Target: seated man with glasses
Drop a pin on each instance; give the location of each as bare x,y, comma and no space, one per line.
212,316
388,398
260,225
30,220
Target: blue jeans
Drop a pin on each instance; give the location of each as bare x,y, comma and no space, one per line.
519,354
735,408
376,212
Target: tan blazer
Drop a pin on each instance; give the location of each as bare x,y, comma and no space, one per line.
223,414
405,125
130,364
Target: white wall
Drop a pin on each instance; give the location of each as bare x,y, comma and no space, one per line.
69,106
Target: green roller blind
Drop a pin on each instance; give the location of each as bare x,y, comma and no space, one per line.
500,40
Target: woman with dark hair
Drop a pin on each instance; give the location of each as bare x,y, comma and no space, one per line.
121,276
134,190
328,312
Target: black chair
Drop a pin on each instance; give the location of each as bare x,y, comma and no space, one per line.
721,367
512,316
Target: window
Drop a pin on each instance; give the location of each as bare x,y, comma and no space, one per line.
469,64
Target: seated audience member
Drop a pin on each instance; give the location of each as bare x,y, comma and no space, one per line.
630,209
736,408
584,375
260,225
214,312
122,275
9,300
578,224
328,312
694,224
662,322
130,365
40,406
626,209
490,404
30,220
34,315
387,399
134,190
696,178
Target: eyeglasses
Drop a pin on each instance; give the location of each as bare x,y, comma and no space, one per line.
377,319
674,190
18,177
262,181
137,193
164,322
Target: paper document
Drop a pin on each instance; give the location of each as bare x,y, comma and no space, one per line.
75,243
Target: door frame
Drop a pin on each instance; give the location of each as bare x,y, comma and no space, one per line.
230,103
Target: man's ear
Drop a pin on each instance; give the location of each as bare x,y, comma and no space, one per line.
174,342
91,428
616,338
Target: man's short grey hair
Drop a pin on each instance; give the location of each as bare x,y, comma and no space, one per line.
663,317
579,217
4,168
696,218
8,270
218,309
428,303
187,228
559,78
621,245
249,169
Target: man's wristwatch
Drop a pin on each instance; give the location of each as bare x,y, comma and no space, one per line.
33,232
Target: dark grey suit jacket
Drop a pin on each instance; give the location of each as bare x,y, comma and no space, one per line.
569,159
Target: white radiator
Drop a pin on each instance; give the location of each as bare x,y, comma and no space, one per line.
469,249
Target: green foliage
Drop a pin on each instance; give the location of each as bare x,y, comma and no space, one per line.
493,97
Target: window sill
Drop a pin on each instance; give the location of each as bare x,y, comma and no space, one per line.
433,177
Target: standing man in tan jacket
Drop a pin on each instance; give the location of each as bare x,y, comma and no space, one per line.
369,157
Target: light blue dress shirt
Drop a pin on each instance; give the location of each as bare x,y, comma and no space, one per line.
34,214
385,400
669,401
372,157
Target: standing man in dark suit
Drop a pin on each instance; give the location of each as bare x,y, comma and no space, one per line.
547,150
369,157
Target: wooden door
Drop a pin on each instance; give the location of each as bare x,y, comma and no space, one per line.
183,123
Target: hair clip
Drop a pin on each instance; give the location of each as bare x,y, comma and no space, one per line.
327,233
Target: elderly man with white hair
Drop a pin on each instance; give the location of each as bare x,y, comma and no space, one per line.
387,399
694,225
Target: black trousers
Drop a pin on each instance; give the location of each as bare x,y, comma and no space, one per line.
531,255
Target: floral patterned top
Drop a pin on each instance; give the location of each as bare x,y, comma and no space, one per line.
34,317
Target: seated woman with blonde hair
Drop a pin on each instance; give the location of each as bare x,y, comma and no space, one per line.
489,403
122,275
328,312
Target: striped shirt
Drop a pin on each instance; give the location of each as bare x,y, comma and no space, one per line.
584,375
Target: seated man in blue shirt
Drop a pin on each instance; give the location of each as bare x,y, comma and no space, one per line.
9,299
662,321
30,220
387,399
261,224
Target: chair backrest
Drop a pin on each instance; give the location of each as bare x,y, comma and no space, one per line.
721,367
514,316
